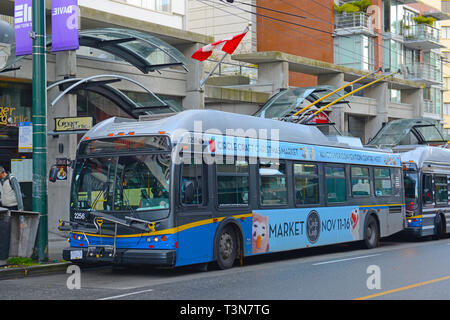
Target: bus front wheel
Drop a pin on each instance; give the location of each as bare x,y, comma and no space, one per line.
371,233
226,247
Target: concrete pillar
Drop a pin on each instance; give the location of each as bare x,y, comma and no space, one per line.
62,146
195,97
379,92
332,79
337,113
415,98
276,73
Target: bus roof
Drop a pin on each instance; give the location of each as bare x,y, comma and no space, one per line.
203,120
421,154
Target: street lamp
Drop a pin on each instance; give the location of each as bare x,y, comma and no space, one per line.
39,116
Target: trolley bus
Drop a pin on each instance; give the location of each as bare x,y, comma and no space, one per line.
201,186
427,177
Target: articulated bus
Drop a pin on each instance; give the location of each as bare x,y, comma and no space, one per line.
427,181
208,186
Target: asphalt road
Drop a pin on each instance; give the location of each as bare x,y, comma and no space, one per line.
398,269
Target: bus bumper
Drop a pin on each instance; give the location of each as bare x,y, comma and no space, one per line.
99,255
415,232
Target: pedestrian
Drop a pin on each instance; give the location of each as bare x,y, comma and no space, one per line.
11,196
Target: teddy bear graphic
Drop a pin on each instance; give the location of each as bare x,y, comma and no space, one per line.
260,233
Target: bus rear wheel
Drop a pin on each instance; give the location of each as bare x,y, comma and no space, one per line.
439,230
226,247
371,233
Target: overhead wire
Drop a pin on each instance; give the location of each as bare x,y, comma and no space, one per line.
353,53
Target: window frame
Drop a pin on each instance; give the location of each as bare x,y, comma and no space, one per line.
369,177
317,176
344,177
216,176
436,191
258,184
383,178
205,194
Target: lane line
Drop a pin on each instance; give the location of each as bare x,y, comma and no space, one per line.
420,284
347,259
125,295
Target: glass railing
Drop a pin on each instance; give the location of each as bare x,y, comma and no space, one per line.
423,71
422,32
352,20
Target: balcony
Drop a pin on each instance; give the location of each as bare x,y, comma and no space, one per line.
353,23
422,72
421,37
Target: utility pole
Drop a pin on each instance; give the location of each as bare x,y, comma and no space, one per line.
40,127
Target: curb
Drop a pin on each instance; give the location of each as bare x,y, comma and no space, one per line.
21,272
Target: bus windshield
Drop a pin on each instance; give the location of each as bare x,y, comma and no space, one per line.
122,184
411,189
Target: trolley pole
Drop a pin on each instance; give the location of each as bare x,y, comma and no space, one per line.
40,128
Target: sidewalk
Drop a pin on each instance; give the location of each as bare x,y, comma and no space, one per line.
56,243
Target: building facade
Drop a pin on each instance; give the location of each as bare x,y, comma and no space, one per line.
175,87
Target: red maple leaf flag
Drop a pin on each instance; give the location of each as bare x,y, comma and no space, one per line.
228,45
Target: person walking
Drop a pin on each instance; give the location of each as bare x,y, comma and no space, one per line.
11,196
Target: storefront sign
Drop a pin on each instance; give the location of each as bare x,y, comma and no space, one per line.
11,116
73,124
64,25
23,26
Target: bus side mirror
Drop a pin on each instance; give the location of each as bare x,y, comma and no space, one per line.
52,176
189,192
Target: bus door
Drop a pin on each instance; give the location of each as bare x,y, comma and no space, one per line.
193,217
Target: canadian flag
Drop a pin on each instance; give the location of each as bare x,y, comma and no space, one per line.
228,46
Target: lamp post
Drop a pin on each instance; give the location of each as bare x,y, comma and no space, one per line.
40,127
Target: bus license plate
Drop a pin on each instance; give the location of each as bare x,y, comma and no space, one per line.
76,254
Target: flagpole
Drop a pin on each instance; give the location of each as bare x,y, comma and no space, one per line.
203,82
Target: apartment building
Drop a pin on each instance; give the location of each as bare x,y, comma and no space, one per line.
445,41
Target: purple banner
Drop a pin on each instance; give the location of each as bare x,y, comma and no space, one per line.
64,25
23,25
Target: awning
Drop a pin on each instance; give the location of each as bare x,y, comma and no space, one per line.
153,105
142,50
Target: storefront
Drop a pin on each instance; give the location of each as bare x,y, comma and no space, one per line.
15,110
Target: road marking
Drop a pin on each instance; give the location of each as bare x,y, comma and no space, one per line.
403,288
125,295
347,259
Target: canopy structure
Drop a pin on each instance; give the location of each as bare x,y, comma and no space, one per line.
140,49
287,102
152,105
409,132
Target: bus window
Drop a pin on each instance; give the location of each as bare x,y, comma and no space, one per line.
427,189
336,184
383,182
232,183
360,181
306,184
142,183
192,174
441,189
272,183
